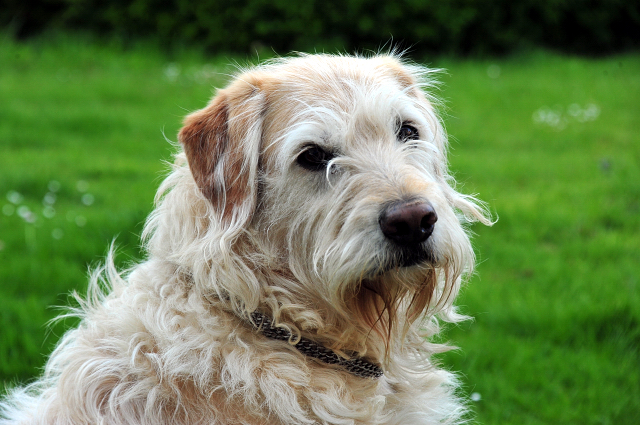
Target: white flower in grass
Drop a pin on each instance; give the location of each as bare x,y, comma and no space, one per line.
14,197
54,186
23,211
48,211
49,198
558,119
88,199
172,72
493,71
551,117
26,214
204,74
81,221
574,110
591,112
476,397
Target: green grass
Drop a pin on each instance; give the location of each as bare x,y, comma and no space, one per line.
556,298
79,114
557,332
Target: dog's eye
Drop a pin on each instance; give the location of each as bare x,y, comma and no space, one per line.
314,158
407,132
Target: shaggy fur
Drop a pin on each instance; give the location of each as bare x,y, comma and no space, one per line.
251,218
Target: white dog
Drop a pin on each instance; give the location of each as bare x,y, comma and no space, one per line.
302,251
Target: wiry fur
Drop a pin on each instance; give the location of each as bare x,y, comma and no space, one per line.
239,226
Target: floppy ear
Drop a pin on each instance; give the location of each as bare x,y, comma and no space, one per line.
222,144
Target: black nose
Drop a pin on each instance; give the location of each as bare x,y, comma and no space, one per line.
408,223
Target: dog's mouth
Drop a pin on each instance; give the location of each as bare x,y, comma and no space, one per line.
413,256
406,256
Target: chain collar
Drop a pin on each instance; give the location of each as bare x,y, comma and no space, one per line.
356,366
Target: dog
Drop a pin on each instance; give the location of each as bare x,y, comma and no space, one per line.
304,248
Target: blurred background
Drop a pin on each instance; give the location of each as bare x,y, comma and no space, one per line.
542,104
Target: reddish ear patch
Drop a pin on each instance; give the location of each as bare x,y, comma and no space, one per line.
217,150
205,136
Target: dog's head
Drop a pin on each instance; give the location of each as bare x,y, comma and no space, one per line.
327,179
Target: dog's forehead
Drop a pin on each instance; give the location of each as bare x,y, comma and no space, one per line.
336,78
334,92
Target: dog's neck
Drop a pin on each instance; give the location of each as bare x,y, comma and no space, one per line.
356,366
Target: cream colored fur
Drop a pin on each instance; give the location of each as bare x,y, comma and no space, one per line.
240,226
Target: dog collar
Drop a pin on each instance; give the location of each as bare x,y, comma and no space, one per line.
356,366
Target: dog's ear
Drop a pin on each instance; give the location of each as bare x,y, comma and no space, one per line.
222,143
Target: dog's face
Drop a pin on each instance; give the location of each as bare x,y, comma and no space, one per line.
335,169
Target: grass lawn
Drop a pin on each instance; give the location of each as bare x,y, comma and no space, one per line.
551,143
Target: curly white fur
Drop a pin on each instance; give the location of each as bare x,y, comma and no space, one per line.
240,226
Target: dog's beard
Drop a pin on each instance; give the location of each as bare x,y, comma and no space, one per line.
388,304
409,285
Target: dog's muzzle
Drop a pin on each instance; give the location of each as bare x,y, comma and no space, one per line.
408,225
